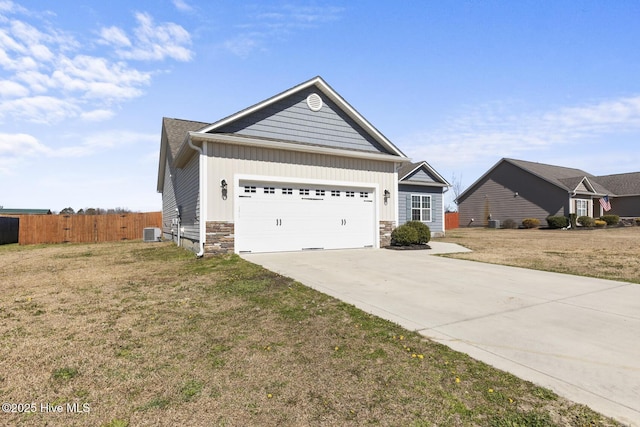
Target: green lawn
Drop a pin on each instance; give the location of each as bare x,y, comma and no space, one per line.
145,334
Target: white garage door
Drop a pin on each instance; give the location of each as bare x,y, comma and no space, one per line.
273,217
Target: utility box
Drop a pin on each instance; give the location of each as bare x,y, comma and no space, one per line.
494,223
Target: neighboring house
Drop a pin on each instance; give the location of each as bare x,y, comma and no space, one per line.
25,211
300,170
517,189
420,196
626,188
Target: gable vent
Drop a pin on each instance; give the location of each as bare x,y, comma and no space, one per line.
314,102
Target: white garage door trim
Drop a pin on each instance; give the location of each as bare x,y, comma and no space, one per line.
301,220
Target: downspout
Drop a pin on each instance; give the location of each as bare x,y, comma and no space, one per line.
444,219
202,171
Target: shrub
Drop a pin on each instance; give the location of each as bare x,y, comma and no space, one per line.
573,220
530,222
586,221
600,223
424,233
509,223
404,236
557,221
637,221
610,219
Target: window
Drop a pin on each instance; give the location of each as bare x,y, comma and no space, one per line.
287,191
319,192
304,191
364,194
249,189
335,193
421,208
269,190
582,207
350,193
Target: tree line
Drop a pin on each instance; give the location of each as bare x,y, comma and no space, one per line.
95,211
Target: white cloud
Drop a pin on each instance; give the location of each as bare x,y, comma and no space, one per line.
98,142
20,145
489,132
182,6
39,109
49,77
243,44
115,36
9,89
267,22
151,42
97,115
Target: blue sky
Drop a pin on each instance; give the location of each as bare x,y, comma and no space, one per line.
460,84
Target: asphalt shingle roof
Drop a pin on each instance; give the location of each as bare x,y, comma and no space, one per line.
563,177
622,183
177,129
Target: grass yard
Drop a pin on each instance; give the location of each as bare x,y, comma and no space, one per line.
610,253
137,334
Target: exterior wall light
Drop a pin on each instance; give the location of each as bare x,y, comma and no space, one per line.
223,185
386,196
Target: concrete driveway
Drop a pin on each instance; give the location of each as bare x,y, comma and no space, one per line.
578,336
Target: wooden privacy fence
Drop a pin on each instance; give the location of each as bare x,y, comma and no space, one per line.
36,229
451,220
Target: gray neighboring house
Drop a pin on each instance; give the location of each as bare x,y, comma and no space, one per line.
420,196
626,188
518,189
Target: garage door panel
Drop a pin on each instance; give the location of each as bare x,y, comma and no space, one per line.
296,217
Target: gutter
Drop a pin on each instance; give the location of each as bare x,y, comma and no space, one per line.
202,172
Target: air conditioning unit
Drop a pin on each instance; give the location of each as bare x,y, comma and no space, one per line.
151,234
494,223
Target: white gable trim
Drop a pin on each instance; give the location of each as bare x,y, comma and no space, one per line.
327,91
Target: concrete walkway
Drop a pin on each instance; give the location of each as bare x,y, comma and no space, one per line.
578,336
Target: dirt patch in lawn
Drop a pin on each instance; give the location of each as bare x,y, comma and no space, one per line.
134,334
611,253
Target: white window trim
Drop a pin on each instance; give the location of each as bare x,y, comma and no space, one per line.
421,208
586,207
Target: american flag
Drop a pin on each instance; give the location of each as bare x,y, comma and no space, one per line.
605,203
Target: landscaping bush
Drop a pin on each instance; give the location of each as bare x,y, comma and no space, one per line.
573,220
424,233
509,223
586,221
404,235
637,221
530,222
600,223
610,219
557,221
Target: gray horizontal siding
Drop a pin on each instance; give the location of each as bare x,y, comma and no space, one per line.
291,119
437,219
181,189
495,195
628,206
420,176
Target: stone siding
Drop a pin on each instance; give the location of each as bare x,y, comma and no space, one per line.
220,238
386,227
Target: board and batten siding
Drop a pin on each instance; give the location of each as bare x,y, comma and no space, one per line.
509,192
226,161
436,225
181,189
290,119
